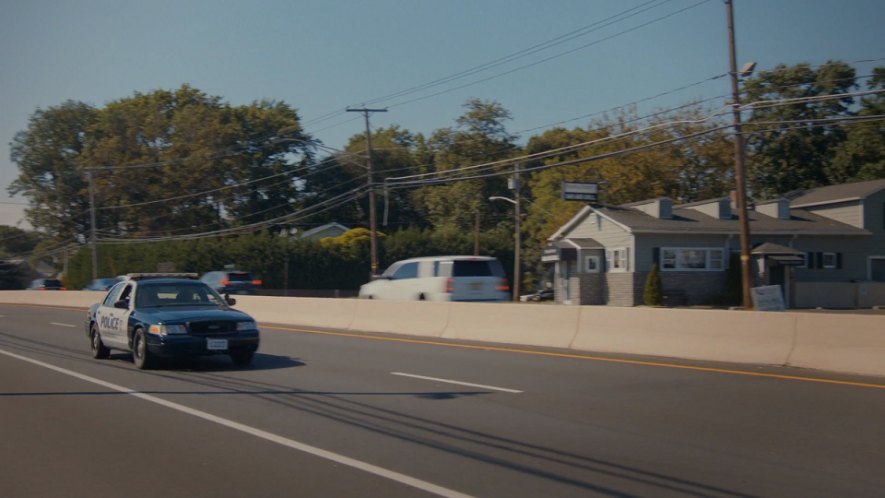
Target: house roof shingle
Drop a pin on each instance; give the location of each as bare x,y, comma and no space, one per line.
835,193
687,220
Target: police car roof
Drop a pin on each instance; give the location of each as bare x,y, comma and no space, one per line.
146,276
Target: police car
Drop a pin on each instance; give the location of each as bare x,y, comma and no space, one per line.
169,315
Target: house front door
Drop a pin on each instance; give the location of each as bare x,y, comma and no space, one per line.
778,275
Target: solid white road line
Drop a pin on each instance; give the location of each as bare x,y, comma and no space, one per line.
62,324
449,381
290,443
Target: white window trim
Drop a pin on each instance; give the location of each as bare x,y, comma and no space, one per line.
587,268
707,259
609,260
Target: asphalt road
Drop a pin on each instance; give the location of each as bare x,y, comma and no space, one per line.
324,413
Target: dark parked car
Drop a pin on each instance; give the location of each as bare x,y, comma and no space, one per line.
231,282
172,316
46,284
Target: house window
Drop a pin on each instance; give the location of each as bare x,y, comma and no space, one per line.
616,260
591,264
828,260
715,259
692,259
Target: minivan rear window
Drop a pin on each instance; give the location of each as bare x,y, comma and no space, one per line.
239,277
490,268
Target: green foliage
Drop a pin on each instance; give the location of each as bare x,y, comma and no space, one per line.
17,242
481,137
11,276
653,293
862,155
48,155
223,166
790,148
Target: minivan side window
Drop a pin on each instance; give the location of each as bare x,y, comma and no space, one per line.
408,270
473,269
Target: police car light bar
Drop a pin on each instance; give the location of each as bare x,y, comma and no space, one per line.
145,276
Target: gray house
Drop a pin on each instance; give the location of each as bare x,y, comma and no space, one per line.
803,241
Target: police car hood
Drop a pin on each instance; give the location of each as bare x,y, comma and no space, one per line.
191,314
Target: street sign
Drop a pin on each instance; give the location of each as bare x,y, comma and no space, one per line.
580,191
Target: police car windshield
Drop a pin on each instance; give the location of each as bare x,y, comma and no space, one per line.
161,294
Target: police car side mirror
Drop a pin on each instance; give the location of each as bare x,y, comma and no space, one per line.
230,301
122,304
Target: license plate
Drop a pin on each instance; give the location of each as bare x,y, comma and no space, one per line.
216,344
476,286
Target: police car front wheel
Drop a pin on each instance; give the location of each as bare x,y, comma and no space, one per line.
99,350
140,354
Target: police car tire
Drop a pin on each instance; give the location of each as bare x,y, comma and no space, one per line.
140,354
99,350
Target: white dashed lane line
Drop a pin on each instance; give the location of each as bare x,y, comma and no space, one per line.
450,381
267,436
57,324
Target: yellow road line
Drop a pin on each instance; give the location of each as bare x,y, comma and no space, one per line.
583,357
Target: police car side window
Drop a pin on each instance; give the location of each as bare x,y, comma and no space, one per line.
111,298
126,294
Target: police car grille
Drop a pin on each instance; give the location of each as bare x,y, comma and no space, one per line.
213,327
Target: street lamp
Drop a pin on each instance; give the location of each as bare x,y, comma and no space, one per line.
516,239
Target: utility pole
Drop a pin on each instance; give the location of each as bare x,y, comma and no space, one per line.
517,238
740,175
92,225
371,184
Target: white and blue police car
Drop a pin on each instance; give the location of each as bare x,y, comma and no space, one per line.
169,315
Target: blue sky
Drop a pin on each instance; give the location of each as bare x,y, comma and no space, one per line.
321,56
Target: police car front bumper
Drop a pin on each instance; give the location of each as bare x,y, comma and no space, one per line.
188,345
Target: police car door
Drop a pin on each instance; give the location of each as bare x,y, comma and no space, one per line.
113,321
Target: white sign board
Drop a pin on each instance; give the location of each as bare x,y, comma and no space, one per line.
768,298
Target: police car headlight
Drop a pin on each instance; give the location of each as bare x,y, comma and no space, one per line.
246,326
168,329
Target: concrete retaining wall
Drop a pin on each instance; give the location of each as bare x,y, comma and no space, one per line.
846,343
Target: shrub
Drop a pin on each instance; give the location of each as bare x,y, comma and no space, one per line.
653,295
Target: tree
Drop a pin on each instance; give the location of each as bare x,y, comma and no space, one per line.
480,137
16,242
791,148
862,155
164,163
395,152
47,154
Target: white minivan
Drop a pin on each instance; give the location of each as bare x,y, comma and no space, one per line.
441,278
